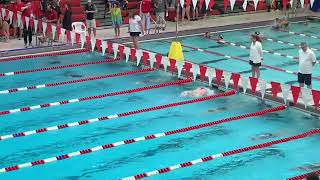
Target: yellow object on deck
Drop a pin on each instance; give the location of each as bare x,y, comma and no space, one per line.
175,51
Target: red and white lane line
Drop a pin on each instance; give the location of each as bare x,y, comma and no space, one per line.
56,53
303,176
289,43
59,67
76,81
64,102
265,51
223,154
83,122
243,60
304,35
134,140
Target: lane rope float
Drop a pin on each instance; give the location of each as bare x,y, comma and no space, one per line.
59,53
59,67
246,47
134,140
303,176
64,102
289,43
76,81
220,155
304,35
243,60
88,121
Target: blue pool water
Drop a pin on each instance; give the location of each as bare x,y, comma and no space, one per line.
242,37
277,162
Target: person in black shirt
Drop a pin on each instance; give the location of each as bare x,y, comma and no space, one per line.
90,10
67,18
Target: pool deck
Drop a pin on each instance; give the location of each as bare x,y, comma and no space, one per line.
217,22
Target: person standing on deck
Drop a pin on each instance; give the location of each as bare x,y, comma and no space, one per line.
90,10
255,55
307,59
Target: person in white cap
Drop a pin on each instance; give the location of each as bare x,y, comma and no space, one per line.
307,59
90,10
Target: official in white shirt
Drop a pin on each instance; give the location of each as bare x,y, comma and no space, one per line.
255,55
307,59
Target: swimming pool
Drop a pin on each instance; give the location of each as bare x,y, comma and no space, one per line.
279,62
130,99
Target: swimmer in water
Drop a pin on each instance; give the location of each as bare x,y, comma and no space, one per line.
217,37
309,167
149,81
199,92
263,136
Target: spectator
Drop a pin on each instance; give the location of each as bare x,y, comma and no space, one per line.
51,17
56,7
90,10
124,5
17,9
116,19
4,24
255,55
67,18
185,11
27,31
43,6
307,59
135,27
160,9
145,10
195,12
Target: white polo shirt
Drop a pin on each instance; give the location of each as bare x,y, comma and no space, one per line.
256,52
305,61
134,25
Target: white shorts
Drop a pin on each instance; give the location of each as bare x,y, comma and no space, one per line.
91,23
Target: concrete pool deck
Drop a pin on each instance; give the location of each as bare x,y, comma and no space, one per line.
210,22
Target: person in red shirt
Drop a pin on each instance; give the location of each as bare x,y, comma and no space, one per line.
51,15
15,7
27,31
145,11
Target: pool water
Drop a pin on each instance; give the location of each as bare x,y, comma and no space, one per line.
276,162
242,37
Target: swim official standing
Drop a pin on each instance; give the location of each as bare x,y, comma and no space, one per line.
307,59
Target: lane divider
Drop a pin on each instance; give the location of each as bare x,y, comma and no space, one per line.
223,154
289,43
76,81
64,102
243,60
58,53
59,67
84,122
304,35
246,47
137,139
303,176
